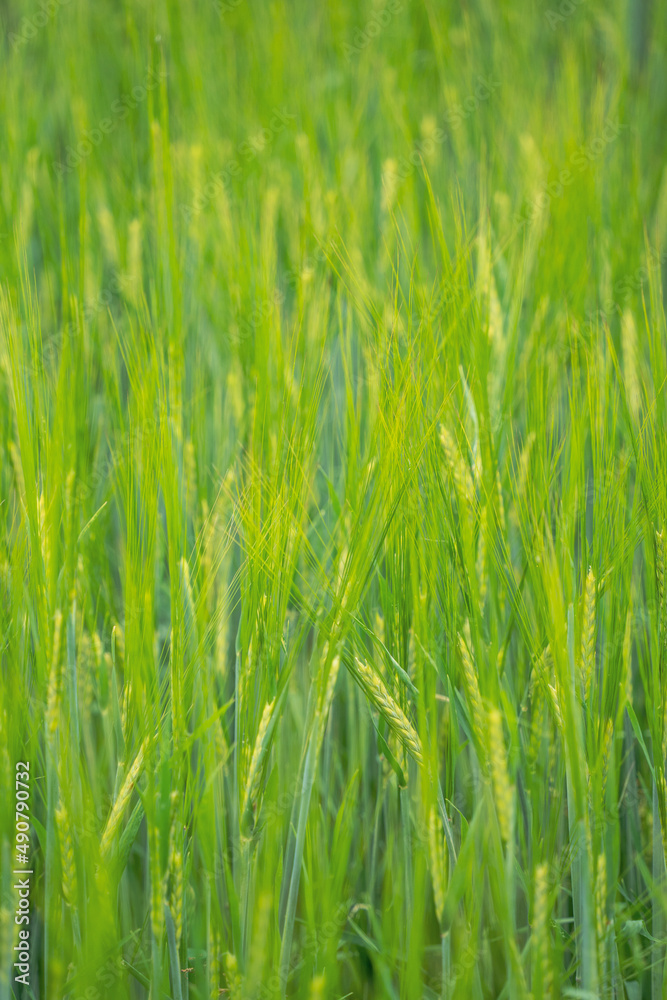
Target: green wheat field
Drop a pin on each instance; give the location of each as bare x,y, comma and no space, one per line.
333,499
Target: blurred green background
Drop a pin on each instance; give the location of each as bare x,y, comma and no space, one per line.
253,256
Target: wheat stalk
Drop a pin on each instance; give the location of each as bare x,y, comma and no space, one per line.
660,581
481,556
437,848
157,893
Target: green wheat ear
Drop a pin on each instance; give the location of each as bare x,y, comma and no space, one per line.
629,346
502,788
66,855
601,909
540,938
463,481
175,868
255,768
437,848
115,817
323,711
588,636
233,977
55,679
477,713
389,709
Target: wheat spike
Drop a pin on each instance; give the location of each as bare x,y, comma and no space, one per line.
601,908
109,241
326,701
627,661
392,713
629,344
133,275
555,707
255,770
66,855
588,636
501,504
17,466
43,535
125,710
121,802
540,935
542,671
331,684
317,987
463,482
502,788
157,894
538,714
190,475
477,713
177,895
176,868
234,978
607,744
55,679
